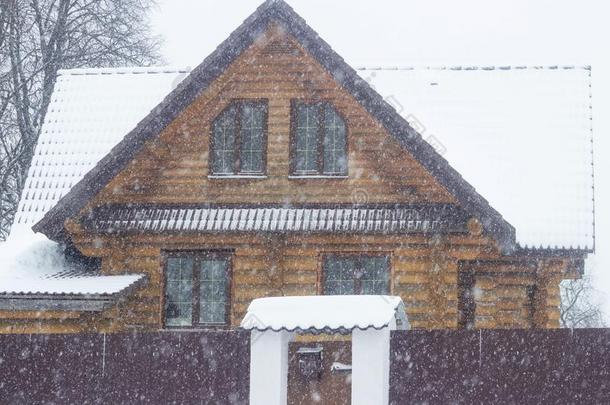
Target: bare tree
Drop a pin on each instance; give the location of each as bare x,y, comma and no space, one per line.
579,308
39,37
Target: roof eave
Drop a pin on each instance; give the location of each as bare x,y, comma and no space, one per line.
57,302
85,302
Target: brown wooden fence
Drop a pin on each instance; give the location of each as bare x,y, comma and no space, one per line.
500,366
147,368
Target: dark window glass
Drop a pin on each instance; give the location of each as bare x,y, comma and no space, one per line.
356,274
223,145
213,291
532,297
307,128
335,156
466,300
252,131
239,137
197,290
320,140
179,292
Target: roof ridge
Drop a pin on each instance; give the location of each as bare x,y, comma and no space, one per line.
124,70
475,67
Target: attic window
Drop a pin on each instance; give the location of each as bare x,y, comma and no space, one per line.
239,137
319,140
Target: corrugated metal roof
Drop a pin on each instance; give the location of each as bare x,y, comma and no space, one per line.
90,112
33,265
326,313
73,283
405,219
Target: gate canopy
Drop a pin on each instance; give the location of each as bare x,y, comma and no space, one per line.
326,313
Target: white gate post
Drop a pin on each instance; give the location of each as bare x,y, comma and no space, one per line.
269,367
370,366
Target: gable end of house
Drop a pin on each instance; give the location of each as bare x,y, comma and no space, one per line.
280,13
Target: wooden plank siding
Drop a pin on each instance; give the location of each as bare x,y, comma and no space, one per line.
174,169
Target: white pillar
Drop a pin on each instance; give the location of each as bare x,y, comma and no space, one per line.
370,366
269,367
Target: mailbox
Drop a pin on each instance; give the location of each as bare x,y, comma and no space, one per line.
310,362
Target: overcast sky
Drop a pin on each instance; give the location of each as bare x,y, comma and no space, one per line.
433,33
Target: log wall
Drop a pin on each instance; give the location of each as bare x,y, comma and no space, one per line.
173,168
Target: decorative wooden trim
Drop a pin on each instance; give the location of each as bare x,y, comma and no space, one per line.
197,218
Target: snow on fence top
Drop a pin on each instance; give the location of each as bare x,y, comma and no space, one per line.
326,313
521,136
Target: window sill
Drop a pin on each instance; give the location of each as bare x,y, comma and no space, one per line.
237,176
317,176
196,328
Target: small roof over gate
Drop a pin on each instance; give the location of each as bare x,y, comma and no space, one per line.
326,313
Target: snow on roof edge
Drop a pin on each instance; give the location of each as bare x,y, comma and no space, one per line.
476,67
123,70
325,313
94,285
34,265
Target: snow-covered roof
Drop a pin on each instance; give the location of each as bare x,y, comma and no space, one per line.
522,136
31,264
90,112
326,313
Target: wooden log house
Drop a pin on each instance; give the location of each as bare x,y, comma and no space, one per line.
271,169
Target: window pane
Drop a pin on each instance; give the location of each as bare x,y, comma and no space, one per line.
345,287
375,274
179,292
223,153
306,137
335,153
213,290
357,274
252,137
339,275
